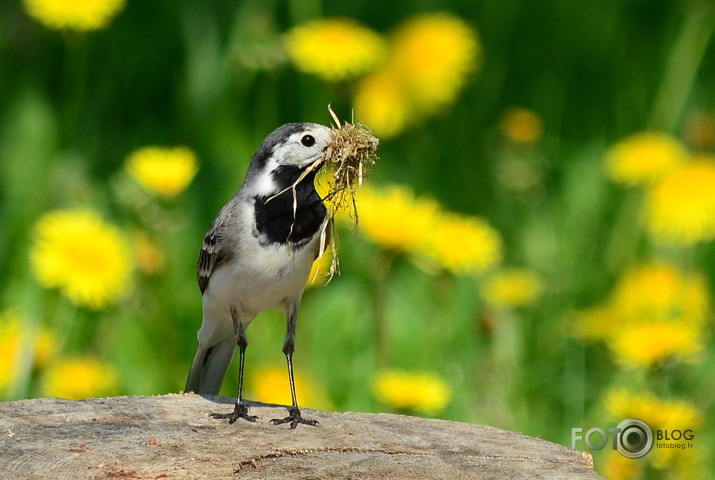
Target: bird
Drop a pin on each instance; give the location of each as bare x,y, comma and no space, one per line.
258,255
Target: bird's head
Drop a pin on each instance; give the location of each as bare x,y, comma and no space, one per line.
285,154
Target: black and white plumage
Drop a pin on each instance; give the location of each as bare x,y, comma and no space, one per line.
258,254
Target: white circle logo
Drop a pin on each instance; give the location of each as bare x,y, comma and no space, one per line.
635,438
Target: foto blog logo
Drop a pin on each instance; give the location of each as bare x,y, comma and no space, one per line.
633,438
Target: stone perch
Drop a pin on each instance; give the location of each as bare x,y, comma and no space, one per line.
173,437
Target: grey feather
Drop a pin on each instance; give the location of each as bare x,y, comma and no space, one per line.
213,252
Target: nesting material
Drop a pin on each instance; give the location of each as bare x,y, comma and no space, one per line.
348,159
350,156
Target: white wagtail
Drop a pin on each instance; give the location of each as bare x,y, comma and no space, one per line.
257,255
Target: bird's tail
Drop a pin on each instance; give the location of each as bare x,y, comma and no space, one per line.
209,367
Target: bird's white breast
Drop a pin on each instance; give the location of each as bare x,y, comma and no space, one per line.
258,278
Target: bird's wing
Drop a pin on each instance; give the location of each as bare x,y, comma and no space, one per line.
212,254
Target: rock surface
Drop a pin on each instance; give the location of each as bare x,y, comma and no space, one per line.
173,437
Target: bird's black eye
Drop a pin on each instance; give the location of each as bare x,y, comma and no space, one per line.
308,140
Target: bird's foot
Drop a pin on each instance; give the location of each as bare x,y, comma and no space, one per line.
240,411
294,418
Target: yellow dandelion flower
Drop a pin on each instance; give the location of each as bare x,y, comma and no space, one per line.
463,244
644,158
335,48
321,269
433,54
166,171
681,207
20,344
78,378
81,15
512,288
521,125
270,385
659,414
654,313
427,66
85,257
382,103
649,343
412,391
396,219
649,293
322,182
658,291
393,217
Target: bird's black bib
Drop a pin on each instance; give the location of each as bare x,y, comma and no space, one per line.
292,217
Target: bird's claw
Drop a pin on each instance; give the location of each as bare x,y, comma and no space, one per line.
240,411
294,418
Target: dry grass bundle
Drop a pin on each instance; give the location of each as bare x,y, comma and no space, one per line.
348,158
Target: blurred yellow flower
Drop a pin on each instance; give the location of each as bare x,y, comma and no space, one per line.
412,391
644,158
463,244
167,171
655,313
428,63
521,125
658,291
395,218
432,54
511,288
652,342
81,15
78,378
269,384
86,258
382,103
335,48
659,414
19,344
681,207
323,181
320,271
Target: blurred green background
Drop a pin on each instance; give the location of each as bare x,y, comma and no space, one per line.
521,144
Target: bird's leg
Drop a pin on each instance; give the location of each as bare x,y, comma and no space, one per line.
241,409
294,417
